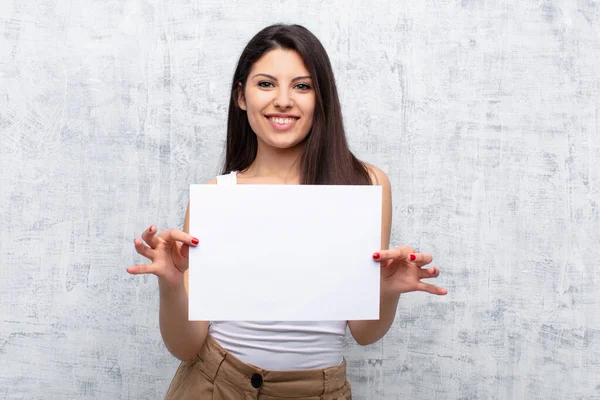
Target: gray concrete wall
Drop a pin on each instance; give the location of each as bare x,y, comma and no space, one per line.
485,115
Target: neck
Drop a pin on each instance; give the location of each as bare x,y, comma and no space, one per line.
280,164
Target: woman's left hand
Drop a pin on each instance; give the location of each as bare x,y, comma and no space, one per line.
402,271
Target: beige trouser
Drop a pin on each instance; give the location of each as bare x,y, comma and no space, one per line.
214,374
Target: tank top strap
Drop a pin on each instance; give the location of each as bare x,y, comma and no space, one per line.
227,179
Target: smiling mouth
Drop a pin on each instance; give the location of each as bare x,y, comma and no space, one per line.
282,123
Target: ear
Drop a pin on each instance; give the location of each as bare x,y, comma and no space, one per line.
241,100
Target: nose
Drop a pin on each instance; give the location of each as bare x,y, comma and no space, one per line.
283,100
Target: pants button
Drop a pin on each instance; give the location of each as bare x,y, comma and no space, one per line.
256,380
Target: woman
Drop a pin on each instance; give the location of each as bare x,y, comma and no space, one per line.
284,127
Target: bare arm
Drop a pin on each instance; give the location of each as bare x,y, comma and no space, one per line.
169,252
401,272
369,331
183,338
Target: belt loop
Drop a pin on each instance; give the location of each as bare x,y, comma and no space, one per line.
324,384
334,378
221,361
328,383
210,359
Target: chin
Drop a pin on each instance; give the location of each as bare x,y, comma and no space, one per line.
283,143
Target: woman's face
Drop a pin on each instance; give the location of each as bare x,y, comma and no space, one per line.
279,99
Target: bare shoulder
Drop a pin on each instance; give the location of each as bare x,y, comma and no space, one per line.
378,177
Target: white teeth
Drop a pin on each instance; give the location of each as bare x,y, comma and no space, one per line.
282,121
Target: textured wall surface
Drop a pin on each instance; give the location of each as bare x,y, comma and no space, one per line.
485,115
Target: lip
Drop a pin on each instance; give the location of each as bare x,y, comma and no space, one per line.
279,115
285,127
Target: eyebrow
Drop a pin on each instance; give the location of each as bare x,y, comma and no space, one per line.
273,78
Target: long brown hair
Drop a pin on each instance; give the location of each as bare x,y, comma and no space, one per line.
326,158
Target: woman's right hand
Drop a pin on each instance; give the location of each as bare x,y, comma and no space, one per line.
168,252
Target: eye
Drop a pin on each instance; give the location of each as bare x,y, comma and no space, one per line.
303,86
265,84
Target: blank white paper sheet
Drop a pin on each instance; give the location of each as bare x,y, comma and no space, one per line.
284,252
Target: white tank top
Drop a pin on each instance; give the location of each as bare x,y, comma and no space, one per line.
280,345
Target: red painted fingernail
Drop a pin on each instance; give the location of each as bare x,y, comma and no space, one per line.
150,229
195,241
413,257
376,256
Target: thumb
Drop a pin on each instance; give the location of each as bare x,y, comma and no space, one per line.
383,256
397,253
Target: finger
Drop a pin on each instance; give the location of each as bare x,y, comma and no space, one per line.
142,269
420,259
395,253
184,250
149,236
181,256
426,287
175,235
427,273
143,250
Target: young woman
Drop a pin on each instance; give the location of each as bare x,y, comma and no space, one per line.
284,127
